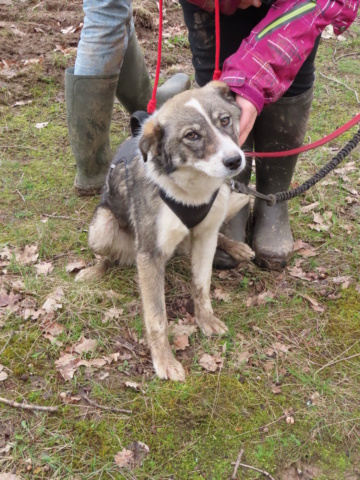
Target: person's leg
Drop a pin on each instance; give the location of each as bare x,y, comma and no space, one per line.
281,126
109,60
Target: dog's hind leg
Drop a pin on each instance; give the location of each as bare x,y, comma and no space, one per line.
106,238
151,269
202,254
238,250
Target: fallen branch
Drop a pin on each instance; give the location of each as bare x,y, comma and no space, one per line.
110,409
28,406
237,464
263,472
337,361
60,217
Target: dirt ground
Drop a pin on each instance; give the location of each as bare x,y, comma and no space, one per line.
47,33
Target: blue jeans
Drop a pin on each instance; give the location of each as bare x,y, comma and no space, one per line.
108,24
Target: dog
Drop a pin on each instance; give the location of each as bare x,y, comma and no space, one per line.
168,189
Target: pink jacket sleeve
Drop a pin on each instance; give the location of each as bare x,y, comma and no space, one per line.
268,60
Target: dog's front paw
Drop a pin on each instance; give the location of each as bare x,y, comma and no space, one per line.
211,325
167,367
93,273
241,251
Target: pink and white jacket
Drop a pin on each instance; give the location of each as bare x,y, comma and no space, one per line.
268,60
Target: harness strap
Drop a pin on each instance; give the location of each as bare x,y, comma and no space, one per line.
190,215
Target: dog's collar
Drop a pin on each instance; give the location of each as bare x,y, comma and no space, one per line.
190,215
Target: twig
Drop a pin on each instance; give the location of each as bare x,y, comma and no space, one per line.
28,406
110,409
61,217
21,195
7,343
343,84
353,54
233,477
267,474
337,361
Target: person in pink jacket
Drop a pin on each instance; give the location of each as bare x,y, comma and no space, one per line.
267,53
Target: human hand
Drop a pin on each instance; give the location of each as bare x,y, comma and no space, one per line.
247,119
249,3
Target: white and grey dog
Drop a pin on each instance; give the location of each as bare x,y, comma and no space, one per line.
172,193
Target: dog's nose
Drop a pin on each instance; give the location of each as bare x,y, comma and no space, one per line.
233,163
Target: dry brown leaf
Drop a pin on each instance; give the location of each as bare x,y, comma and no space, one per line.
314,304
297,272
44,268
28,255
3,374
309,208
181,342
125,458
9,476
48,325
85,345
276,390
210,363
133,385
75,266
219,294
67,365
65,50
8,299
112,313
33,313
243,357
52,302
53,340
280,347
16,31
177,329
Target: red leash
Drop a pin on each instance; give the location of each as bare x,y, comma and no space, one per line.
305,148
152,103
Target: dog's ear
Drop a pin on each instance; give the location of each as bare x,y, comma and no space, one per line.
151,139
223,90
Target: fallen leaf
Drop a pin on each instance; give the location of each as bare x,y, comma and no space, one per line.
181,342
112,313
22,102
243,357
85,345
8,299
133,385
16,31
125,458
297,272
280,347
51,304
41,125
51,327
314,304
67,365
309,208
3,376
219,294
9,476
33,313
32,61
276,390
28,255
75,266
53,340
103,375
210,363
177,329
44,268
65,50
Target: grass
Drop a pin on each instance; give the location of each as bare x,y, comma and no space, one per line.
194,430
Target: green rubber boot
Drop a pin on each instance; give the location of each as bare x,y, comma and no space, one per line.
134,88
89,104
281,126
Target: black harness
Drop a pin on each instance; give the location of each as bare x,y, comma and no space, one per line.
190,215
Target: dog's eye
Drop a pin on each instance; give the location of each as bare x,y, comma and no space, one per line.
225,121
192,136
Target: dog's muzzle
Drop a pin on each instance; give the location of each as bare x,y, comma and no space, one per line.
233,163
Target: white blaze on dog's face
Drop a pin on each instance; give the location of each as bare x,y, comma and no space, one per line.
197,130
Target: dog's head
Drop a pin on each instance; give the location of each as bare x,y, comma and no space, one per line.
197,130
